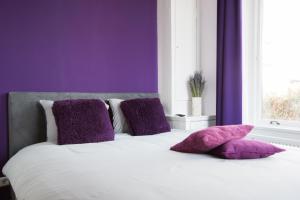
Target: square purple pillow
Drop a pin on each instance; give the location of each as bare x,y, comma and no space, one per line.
82,121
145,116
207,139
245,149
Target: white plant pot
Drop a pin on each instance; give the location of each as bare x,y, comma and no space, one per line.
196,106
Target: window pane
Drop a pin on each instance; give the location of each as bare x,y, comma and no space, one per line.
281,60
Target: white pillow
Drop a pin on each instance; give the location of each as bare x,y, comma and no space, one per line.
119,121
50,119
51,124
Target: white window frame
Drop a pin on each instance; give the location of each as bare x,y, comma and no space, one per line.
252,84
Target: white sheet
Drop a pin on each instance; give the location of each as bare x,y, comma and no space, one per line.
143,168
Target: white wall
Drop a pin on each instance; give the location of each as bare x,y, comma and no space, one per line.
177,52
207,10
164,53
185,54
186,42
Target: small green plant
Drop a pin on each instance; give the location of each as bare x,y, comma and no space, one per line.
197,84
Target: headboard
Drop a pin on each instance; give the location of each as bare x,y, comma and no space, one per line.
27,124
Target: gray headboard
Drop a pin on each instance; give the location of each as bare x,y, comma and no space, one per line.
27,124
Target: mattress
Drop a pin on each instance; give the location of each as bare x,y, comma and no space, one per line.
143,168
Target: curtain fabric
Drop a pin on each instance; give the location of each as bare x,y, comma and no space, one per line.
229,62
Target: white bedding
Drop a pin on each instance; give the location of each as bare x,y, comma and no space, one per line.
143,168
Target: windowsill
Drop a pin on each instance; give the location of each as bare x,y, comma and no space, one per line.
281,129
280,135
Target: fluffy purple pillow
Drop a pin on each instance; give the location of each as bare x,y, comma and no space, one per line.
145,116
245,149
207,139
82,121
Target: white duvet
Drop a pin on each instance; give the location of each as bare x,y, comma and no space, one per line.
143,168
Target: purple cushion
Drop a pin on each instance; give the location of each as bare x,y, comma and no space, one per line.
145,116
82,121
245,149
207,139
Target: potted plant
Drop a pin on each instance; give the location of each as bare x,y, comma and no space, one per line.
197,83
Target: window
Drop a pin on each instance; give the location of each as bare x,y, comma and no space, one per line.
276,94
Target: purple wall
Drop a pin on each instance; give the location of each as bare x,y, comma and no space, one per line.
75,45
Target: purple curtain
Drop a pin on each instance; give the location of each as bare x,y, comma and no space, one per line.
229,62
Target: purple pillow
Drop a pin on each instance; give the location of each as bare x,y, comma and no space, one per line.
82,121
207,139
245,149
145,116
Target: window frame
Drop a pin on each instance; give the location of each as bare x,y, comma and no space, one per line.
252,76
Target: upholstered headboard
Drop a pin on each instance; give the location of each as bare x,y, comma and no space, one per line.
27,124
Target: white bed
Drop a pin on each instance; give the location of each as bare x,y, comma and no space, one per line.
143,168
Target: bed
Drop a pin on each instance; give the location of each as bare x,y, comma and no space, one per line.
140,167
